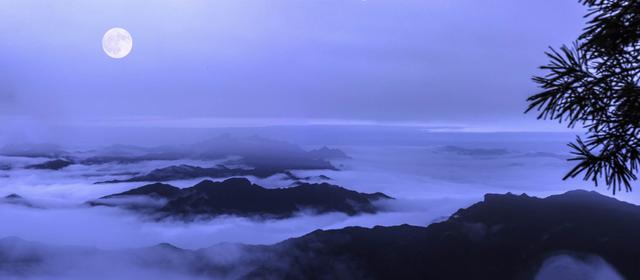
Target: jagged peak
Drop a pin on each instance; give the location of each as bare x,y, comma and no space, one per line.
157,188
577,193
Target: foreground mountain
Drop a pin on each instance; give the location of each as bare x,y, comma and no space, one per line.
238,196
502,237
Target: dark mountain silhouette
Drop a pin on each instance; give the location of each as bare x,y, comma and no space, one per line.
376,196
503,237
238,196
16,200
157,190
55,164
182,172
297,181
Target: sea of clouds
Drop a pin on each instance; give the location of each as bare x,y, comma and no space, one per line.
429,180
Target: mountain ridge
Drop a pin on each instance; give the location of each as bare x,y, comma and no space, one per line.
238,196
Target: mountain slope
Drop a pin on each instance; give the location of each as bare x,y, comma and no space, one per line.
238,196
503,237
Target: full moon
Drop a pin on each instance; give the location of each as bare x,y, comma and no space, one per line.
117,42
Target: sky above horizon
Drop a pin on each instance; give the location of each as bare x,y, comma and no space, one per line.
437,62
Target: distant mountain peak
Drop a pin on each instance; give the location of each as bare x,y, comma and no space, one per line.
16,199
13,196
55,164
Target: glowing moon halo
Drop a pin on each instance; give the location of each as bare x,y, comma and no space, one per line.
117,42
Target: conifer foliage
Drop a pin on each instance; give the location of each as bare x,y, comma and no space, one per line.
594,84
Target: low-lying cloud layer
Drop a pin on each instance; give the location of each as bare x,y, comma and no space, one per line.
430,180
